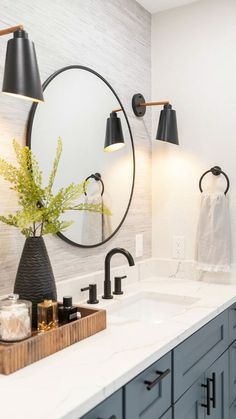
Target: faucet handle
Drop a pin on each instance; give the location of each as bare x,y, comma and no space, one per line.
92,288
118,289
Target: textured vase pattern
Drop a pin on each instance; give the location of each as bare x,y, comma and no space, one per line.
34,279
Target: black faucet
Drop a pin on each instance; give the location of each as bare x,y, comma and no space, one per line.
107,283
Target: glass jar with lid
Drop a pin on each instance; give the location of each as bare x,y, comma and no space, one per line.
15,318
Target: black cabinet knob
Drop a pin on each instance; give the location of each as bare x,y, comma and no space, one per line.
118,281
92,288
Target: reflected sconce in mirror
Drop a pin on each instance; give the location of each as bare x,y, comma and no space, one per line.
114,139
21,74
167,127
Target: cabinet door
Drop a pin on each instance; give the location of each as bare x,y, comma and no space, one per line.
193,356
219,388
232,374
232,323
189,405
232,411
167,415
148,396
111,408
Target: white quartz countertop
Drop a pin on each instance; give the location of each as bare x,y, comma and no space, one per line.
71,382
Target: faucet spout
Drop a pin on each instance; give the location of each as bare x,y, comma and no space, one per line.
107,282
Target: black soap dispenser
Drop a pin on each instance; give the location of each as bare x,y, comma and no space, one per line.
67,312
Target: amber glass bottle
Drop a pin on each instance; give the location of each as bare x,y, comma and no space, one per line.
47,315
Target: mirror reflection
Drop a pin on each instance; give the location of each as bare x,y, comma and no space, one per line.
78,107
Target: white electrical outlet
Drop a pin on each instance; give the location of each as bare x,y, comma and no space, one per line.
139,245
178,250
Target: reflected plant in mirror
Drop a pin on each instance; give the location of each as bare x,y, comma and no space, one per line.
40,209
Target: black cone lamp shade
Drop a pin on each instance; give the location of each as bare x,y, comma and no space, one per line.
167,127
114,139
21,75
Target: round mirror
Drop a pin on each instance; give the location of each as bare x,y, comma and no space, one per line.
78,102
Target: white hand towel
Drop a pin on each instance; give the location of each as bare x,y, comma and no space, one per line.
96,227
213,234
106,224
92,222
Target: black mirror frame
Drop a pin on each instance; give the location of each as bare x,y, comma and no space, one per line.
29,133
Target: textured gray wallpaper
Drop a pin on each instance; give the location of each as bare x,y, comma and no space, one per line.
112,37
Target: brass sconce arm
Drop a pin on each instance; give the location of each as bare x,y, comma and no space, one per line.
139,104
117,110
11,29
164,102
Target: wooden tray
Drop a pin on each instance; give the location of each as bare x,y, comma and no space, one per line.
14,356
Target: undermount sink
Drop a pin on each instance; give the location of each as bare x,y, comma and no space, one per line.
151,307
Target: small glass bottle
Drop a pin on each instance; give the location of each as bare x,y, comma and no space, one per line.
67,312
15,319
47,315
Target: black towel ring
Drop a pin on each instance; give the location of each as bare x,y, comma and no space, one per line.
98,178
216,171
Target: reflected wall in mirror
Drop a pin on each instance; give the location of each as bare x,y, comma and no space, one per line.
78,102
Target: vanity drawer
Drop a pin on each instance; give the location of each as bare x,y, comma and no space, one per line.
232,323
149,394
111,408
232,373
232,412
192,357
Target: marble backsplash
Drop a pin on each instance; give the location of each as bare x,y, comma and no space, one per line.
152,268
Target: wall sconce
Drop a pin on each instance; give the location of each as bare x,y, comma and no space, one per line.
114,139
167,127
21,74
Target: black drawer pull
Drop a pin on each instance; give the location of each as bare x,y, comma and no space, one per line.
213,398
208,403
151,384
111,417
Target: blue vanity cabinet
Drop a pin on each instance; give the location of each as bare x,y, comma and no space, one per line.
190,404
208,396
199,372
232,374
232,412
111,408
148,396
167,415
193,356
218,374
232,322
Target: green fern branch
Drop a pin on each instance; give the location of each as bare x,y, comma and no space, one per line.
40,210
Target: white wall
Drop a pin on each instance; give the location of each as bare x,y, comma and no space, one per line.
194,66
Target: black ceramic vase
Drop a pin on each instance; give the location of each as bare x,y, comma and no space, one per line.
34,279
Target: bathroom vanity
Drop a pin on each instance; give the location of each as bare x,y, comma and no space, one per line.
178,367
194,380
